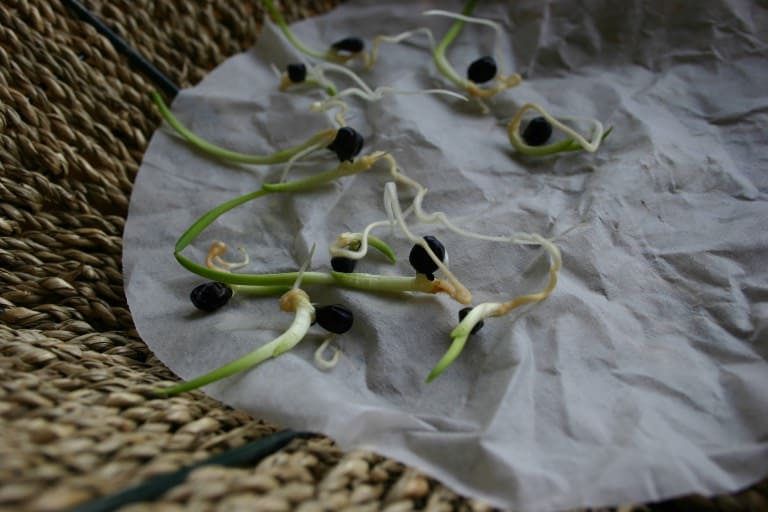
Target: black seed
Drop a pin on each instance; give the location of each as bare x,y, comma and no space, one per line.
347,144
537,132
420,260
210,296
335,318
297,72
341,264
349,44
482,70
479,325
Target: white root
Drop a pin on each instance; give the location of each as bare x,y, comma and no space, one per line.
327,363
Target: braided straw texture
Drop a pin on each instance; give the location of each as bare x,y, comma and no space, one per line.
77,419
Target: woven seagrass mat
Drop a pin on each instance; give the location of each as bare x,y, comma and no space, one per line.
77,419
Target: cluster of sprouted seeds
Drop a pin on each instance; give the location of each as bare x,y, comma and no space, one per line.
428,256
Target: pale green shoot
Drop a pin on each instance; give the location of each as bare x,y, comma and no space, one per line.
304,315
447,69
276,15
480,312
360,164
319,140
438,55
574,143
354,281
328,55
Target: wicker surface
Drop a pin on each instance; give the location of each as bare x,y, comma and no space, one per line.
77,419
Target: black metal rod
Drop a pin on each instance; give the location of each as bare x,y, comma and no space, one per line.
158,485
134,57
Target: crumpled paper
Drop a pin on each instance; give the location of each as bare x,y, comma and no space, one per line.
642,377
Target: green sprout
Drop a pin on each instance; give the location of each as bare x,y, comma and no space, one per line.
343,169
318,141
576,142
354,280
438,54
294,301
297,301
462,332
444,66
332,54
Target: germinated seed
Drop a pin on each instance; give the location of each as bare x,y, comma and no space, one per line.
347,144
297,72
420,260
482,70
349,44
538,132
342,264
210,296
335,318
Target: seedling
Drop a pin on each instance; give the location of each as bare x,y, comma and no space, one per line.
294,301
473,319
341,51
316,142
533,143
480,71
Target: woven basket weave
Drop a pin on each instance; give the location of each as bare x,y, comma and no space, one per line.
77,419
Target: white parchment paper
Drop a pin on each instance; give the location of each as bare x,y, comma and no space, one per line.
642,377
